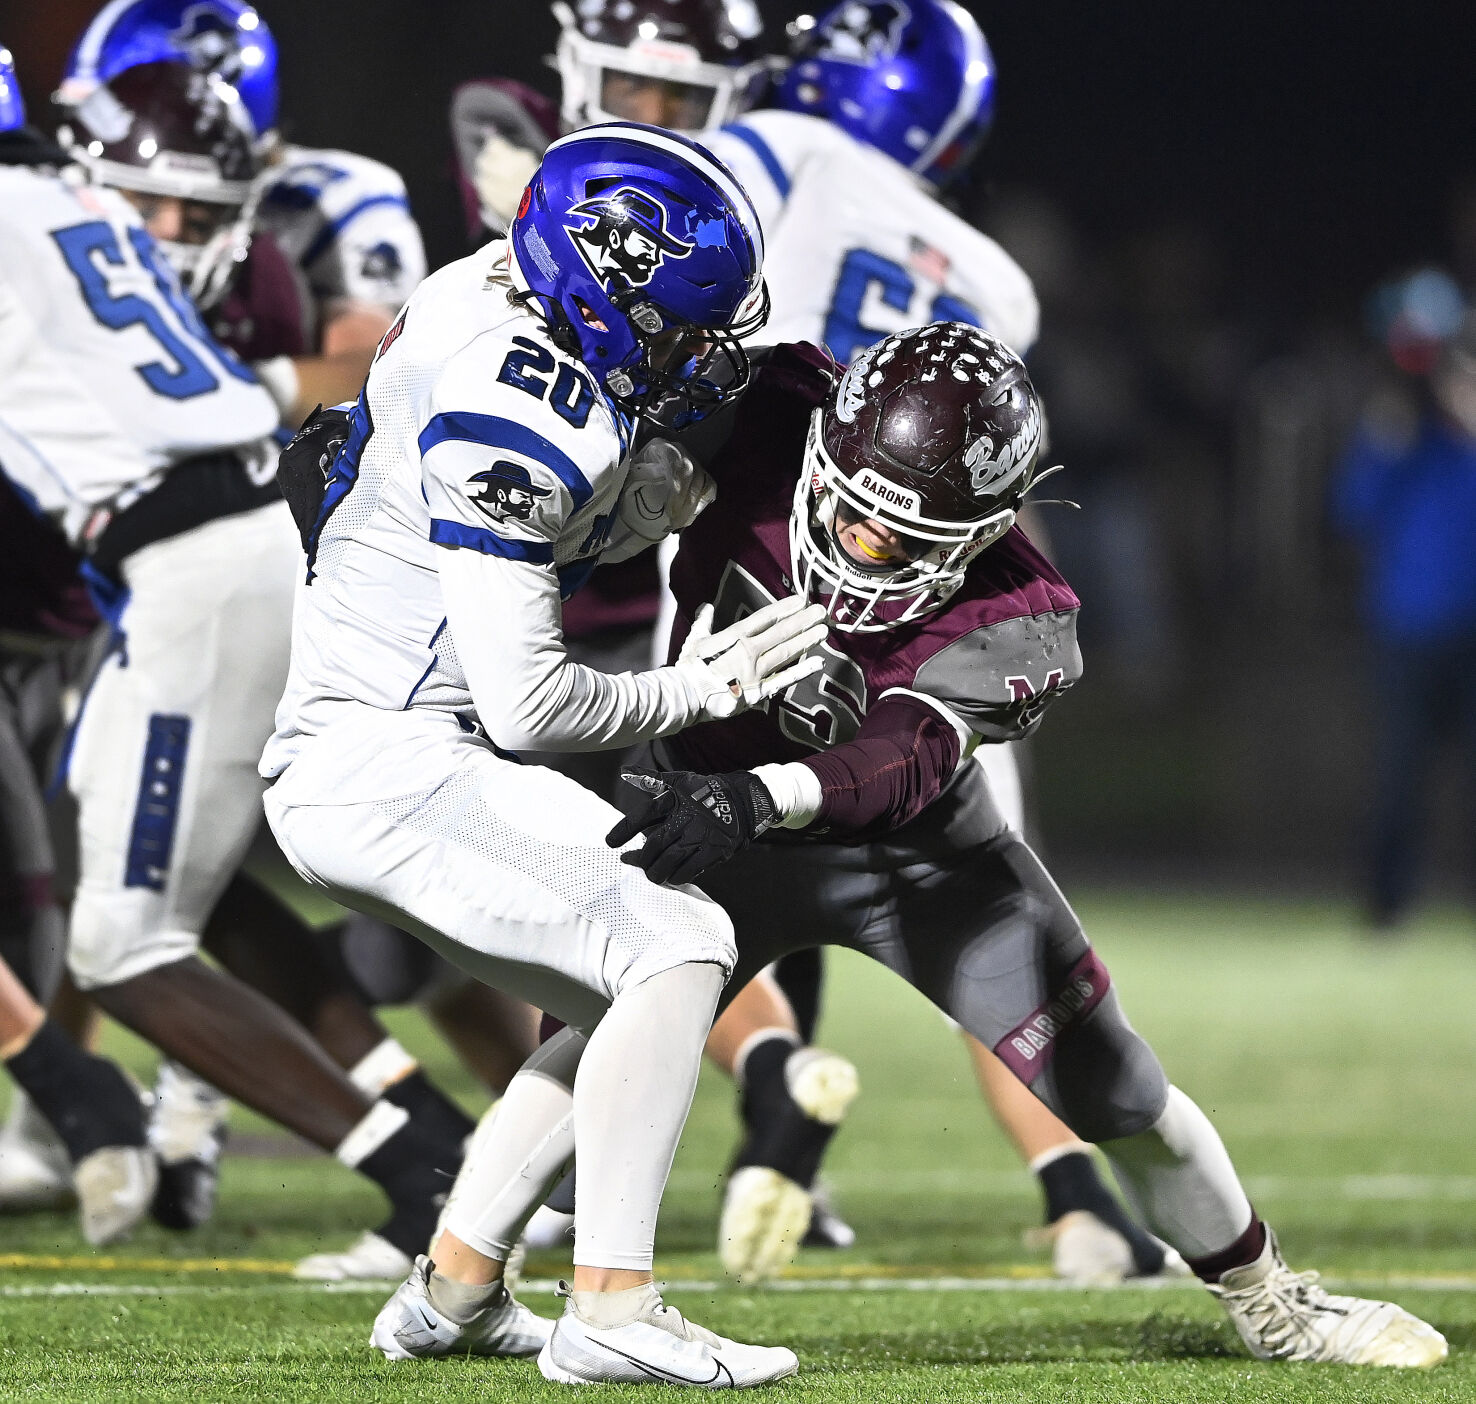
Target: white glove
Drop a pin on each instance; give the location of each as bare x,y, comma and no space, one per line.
502,171
665,490
759,655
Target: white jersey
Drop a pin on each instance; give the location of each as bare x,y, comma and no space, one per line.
107,376
474,432
346,222
855,247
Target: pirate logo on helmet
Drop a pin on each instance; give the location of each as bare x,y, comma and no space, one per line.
865,33
508,493
623,235
209,39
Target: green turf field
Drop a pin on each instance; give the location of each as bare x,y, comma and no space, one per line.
1340,1073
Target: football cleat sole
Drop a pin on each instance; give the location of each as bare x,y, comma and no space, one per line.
764,1221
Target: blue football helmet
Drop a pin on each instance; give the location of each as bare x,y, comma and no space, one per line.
12,108
644,257
226,38
913,78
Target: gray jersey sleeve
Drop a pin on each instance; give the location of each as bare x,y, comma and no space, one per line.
999,678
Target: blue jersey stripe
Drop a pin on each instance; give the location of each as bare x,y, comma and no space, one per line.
760,148
151,842
330,231
445,533
492,431
429,667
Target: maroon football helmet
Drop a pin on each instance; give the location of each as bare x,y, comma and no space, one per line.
705,55
166,130
933,434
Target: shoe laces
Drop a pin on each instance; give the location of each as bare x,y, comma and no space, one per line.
1281,1305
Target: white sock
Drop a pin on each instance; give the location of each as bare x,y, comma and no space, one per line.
516,1158
607,1310
384,1064
631,1100
1178,1177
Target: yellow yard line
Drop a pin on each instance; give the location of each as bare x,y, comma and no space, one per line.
46,1262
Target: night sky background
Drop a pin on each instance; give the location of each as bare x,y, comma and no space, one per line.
1324,140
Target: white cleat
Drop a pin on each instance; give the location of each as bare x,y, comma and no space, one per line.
115,1186
35,1171
548,1228
822,1083
659,1347
1087,1252
369,1258
1286,1315
765,1218
409,1327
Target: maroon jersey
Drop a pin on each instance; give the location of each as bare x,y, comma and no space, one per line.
264,314
885,722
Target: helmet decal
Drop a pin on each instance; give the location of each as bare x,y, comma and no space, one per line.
209,41
993,460
865,33
622,234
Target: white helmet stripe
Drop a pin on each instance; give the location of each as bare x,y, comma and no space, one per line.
89,50
696,156
976,74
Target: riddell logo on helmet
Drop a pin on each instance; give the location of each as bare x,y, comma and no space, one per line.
890,493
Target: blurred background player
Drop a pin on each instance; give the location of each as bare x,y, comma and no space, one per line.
45,619
144,442
342,220
878,109
149,111
1405,495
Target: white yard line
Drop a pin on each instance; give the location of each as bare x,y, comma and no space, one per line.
1445,1282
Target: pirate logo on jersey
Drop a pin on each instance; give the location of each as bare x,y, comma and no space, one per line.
865,33
508,493
622,234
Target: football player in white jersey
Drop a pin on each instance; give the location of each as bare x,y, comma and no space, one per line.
343,220
128,429
485,472
883,103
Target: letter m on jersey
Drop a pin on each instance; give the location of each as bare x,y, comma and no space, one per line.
1031,700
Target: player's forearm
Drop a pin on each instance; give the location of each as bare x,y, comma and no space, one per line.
504,617
895,767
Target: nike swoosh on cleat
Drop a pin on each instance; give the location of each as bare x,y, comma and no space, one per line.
656,1373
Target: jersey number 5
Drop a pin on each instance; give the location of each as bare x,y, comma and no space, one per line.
869,283
184,372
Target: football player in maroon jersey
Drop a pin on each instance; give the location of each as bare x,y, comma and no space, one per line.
843,813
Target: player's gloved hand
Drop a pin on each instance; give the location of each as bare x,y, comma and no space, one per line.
665,490
691,821
748,662
304,464
501,173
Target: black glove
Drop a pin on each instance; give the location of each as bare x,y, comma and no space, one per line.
303,467
691,821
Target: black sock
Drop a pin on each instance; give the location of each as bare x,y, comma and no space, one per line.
430,1108
801,975
86,1098
778,1133
417,1174
1246,1249
1071,1182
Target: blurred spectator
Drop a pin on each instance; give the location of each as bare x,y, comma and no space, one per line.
1406,494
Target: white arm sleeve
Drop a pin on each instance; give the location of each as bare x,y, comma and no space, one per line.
505,618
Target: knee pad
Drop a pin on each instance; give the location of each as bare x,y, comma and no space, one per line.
1104,1081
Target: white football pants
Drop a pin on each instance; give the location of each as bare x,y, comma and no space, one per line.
164,757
